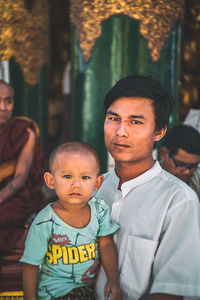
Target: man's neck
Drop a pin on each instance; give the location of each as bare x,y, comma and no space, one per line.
127,170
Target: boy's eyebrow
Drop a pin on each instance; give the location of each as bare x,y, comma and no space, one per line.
130,117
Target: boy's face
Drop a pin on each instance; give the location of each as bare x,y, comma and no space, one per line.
130,129
74,177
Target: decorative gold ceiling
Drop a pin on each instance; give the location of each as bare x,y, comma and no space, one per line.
24,35
190,64
156,20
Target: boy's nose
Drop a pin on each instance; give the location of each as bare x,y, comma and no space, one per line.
76,183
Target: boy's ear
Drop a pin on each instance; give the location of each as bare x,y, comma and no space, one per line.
100,180
160,133
48,178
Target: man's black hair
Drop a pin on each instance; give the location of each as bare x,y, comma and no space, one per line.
184,137
144,87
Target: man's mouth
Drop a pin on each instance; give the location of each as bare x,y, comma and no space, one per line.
121,146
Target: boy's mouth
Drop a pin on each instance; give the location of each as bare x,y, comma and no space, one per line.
75,194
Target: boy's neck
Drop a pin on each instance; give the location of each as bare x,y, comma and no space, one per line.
77,217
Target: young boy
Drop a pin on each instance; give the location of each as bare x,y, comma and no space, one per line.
67,235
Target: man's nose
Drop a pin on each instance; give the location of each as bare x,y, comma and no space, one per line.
122,129
188,172
2,105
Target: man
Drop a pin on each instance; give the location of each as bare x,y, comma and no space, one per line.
180,154
21,171
159,215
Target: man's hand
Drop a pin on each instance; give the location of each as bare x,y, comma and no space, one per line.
114,290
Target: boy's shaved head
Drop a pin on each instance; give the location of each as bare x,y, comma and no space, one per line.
74,147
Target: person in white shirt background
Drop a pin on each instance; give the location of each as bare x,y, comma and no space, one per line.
180,155
159,215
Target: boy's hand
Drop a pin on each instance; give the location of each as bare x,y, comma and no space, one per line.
114,290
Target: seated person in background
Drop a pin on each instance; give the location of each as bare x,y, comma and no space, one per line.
63,237
180,155
21,171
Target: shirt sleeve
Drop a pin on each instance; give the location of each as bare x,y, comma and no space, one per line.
36,243
177,261
195,182
106,225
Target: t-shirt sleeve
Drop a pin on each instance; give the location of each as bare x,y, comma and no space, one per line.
177,261
36,243
106,225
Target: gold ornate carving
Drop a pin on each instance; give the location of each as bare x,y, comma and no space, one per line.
24,35
156,17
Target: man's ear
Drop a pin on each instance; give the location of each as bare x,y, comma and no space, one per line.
164,153
48,178
100,180
160,133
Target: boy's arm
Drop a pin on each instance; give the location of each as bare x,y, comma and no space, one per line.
30,274
108,254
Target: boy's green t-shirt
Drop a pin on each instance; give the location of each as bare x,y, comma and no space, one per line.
67,256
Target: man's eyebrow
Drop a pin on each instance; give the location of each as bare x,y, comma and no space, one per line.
136,117
110,112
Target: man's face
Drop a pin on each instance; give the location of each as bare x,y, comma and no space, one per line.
6,103
130,130
182,164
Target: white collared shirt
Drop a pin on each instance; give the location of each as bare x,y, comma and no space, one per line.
159,240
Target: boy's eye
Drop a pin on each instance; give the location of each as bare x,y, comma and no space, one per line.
85,177
67,176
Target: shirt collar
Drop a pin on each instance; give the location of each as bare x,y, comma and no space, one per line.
143,178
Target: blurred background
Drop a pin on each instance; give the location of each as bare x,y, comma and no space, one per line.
63,56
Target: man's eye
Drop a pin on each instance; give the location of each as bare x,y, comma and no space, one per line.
136,122
67,176
85,177
9,101
114,118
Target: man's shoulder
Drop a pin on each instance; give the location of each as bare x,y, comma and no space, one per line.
176,186
108,174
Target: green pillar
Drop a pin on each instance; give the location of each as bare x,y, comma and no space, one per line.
30,101
120,51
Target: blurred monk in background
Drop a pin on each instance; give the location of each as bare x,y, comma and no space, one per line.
21,171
